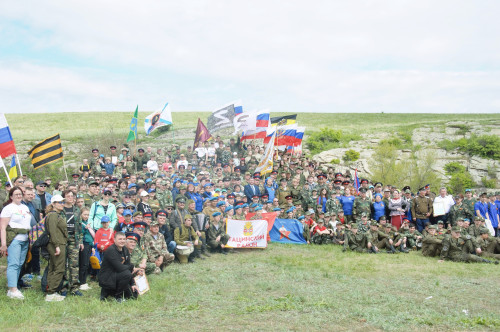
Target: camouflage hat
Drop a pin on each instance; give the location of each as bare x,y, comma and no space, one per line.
327,214
188,216
433,227
388,226
154,223
374,223
484,230
479,218
354,225
440,222
456,229
362,190
363,214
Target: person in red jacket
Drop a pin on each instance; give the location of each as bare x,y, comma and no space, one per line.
104,237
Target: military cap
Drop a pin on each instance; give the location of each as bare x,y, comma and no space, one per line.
75,175
112,147
258,208
363,214
228,208
440,222
93,183
321,176
130,204
378,184
433,227
456,229
478,218
230,196
95,150
327,214
300,218
140,224
407,191
154,223
338,175
276,209
362,190
137,213
321,221
373,223
188,216
388,226
337,181
363,181
245,205
484,230
289,197
133,236
207,185
216,213
161,213
468,220
148,214
354,226
127,213
468,190
226,178
180,199
346,182
120,205
140,150
220,203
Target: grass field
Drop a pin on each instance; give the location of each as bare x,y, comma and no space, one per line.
283,288
78,126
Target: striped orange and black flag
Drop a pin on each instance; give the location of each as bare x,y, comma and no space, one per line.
46,152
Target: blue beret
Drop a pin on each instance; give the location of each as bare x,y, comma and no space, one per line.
301,217
289,210
221,203
276,209
213,198
258,208
228,208
253,205
132,185
207,185
215,214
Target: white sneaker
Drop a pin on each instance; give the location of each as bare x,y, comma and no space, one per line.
15,295
85,287
54,297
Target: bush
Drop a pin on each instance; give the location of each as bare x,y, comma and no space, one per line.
350,155
454,167
459,182
488,183
335,161
486,146
327,138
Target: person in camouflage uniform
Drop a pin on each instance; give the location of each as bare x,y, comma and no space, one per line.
140,160
139,257
92,195
356,241
156,247
469,201
238,212
186,235
333,204
490,246
362,204
217,237
392,240
74,245
432,242
320,234
459,211
226,155
474,230
413,237
455,249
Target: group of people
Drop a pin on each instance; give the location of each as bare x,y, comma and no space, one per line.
135,212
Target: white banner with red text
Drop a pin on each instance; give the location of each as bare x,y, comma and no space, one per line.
246,233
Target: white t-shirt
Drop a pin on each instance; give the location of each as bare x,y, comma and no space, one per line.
447,201
152,165
211,151
201,151
20,217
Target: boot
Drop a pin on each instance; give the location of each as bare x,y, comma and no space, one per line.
393,250
403,249
372,250
204,251
197,254
490,262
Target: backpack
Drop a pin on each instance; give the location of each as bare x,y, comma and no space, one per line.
39,237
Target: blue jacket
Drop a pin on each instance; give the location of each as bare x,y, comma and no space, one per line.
378,210
249,192
347,203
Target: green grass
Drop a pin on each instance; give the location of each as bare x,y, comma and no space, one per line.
77,126
282,288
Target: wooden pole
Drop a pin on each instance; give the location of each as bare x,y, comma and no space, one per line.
20,170
6,173
66,173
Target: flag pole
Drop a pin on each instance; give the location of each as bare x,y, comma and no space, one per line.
64,166
6,173
18,163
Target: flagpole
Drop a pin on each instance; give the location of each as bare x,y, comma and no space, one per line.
64,166
173,136
20,170
6,173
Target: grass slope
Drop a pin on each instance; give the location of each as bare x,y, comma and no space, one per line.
77,126
282,288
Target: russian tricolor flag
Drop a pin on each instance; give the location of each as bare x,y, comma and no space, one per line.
262,120
7,147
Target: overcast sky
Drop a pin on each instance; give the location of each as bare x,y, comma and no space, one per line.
294,56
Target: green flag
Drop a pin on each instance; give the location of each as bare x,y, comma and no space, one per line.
132,135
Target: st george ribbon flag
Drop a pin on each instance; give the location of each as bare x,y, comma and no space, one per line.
224,117
287,231
158,119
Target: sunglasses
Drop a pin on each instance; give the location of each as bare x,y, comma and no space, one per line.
107,193
169,209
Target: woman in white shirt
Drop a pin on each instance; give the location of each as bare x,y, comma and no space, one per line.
15,223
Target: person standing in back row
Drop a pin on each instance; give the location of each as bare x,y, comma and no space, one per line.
421,209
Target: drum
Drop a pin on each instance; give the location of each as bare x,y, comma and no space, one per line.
183,252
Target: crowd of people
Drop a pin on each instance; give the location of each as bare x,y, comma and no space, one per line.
128,213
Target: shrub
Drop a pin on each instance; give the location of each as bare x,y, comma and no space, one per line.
454,167
488,183
486,146
335,161
327,138
459,182
350,155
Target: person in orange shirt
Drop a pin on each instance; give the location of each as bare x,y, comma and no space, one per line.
104,237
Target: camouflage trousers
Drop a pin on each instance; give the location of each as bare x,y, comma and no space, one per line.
321,239
72,265
216,244
150,268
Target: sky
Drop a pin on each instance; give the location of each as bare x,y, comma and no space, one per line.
288,56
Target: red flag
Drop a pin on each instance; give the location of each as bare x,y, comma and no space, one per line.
269,216
202,134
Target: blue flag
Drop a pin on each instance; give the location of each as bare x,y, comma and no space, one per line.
287,231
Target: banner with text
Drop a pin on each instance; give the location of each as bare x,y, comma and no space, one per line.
247,233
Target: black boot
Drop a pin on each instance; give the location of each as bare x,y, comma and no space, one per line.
104,294
393,250
204,251
403,249
373,251
198,254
